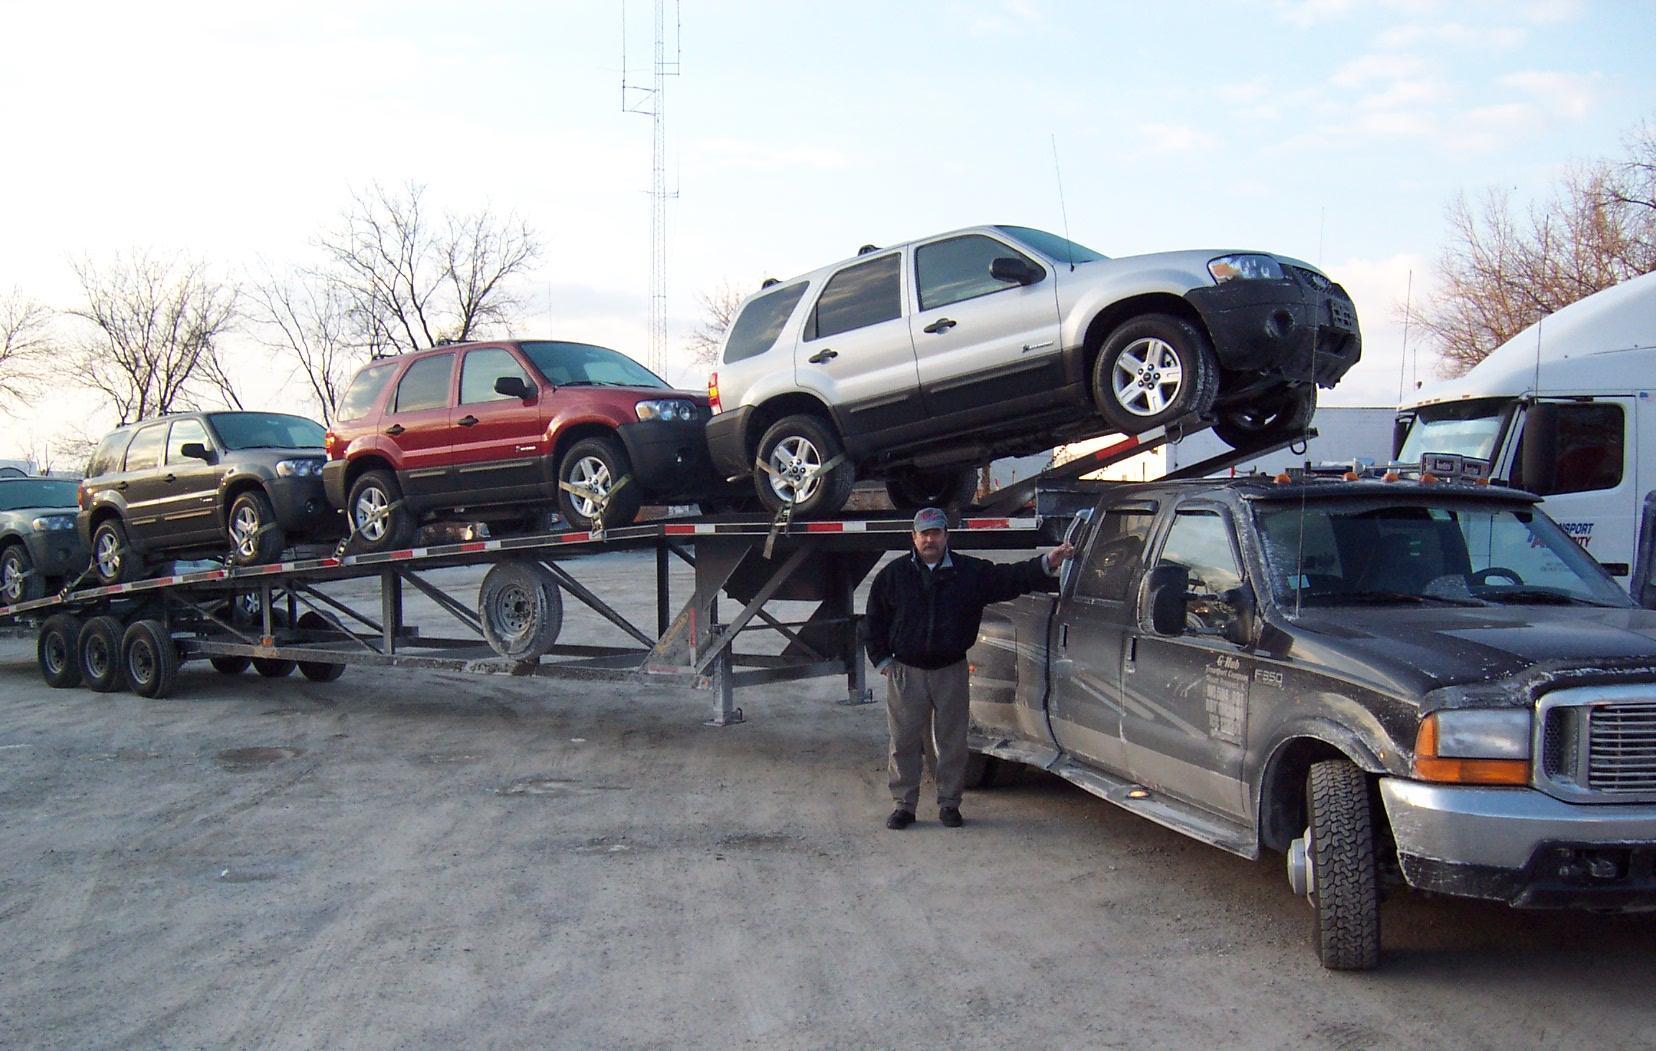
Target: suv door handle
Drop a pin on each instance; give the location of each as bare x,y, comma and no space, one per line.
942,324
170,478
467,421
395,429
822,355
121,486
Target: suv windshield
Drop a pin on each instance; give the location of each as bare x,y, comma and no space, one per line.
265,430
16,494
1361,552
584,365
1058,249
1465,427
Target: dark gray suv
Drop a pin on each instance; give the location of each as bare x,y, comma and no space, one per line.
237,485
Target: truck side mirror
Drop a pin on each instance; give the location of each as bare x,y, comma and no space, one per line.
196,451
513,387
1016,271
1163,598
1243,625
1538,458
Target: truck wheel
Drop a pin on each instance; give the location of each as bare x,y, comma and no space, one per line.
113,560
149,658
796,448
379,519
18,580
318,671
55,649
1342,882
1153,370
521,610
98,652
255,538
273,667
597,466
1276,414
230,665
912,490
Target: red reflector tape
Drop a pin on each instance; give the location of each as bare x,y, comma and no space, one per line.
988,523
679,530
474,545
1122,446
573,538
824,527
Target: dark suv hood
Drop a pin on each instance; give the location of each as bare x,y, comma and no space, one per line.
1422,648
272,454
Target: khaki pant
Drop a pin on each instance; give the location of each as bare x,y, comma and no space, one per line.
927,708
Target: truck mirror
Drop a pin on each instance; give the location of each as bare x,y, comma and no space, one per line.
1014,270
1538,456
1244,620
513,387
1164,598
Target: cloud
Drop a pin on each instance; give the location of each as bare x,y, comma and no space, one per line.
1453,34
1562,94
1011,16
1551,12
1306,13
1172,138
1375,67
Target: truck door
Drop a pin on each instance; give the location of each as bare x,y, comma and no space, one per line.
1094,622
1581,456
855,349
1184,699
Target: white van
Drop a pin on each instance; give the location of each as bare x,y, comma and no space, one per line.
1562,409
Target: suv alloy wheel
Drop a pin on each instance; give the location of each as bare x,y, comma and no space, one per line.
1153,370
798,450
599,471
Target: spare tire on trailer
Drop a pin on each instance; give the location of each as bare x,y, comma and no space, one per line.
521,610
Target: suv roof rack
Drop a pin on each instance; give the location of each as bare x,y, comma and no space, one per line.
865,249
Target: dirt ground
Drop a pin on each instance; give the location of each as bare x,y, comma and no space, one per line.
419,860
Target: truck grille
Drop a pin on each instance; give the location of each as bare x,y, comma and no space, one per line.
1621,748
1599,743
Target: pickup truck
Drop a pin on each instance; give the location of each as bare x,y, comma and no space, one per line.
1406,682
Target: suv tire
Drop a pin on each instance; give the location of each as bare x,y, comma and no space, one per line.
1274,414
251,528
796,448
912,490
18,580
113,560
1146,350
601,464
376,514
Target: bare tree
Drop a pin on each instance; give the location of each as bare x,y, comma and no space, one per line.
309,319
25,342
413,282
718,314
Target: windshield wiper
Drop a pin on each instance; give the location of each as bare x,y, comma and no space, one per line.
1543,596
1336,598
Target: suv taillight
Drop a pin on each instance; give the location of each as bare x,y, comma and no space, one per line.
330,444
713,393
81,496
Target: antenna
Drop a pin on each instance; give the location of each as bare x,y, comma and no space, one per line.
1069,246
1403,366
651,102
1322,224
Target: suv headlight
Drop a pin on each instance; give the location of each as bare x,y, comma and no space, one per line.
1245,268
1482,746
667,409
298,468
50,522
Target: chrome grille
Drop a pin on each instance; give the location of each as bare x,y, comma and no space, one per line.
1621,749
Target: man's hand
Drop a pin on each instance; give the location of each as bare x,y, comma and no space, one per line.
1059,555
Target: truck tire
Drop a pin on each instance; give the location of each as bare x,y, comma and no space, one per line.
18,580
233,664
55,650
273,667
1276,414
600,464
377,516
149,658
98,652
1152,370
250,526
796,448
521,610
1344,881
912,490
113,560
318,671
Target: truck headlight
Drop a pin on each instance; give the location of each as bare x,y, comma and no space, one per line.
1474,746
666,409
50,522
298,468
1245,268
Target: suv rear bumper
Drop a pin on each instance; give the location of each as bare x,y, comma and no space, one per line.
726,444
1522,846
670,459
1282,328
333,482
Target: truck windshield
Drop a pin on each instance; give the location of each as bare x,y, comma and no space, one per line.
1469,428
265,430
584,365
16,494
1357,552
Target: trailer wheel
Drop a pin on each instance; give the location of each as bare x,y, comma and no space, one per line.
55,650
521,610
318,671
98,652
1343,882
149,658
1152,370
1275,414
231,665
273,667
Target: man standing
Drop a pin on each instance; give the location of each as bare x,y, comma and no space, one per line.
923,615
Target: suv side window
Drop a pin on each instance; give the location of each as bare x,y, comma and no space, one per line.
107,458
145,450
479,371
860,295
426,384
759,324
364,392
1116,553
183,433
956,269
1200,541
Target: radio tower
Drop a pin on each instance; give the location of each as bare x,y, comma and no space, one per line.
651,102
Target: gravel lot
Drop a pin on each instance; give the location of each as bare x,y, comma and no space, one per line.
412,860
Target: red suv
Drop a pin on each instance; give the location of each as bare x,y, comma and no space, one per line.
498,431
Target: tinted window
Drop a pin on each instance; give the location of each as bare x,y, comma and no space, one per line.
145,450
1200,541
364,391
265,430
761,321
184,432
107,458
958,268
479,371
1116,553
1583,452
584,365
36,492
1058,249
425,385
858,296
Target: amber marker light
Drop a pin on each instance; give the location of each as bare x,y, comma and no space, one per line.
1430,765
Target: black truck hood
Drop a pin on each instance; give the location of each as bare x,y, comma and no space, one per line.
1420,648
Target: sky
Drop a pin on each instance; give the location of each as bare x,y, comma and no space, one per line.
1335,131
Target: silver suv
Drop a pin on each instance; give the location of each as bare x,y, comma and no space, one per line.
918,363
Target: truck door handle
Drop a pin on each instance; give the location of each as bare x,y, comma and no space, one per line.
467,421
395,429
822,355
942,324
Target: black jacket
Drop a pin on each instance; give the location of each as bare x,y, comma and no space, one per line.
928,618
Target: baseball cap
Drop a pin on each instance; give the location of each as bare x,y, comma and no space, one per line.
930,518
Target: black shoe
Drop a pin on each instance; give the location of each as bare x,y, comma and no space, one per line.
950,816
900,818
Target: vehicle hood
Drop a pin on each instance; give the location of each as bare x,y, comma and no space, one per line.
27,513
274,454
1424,648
